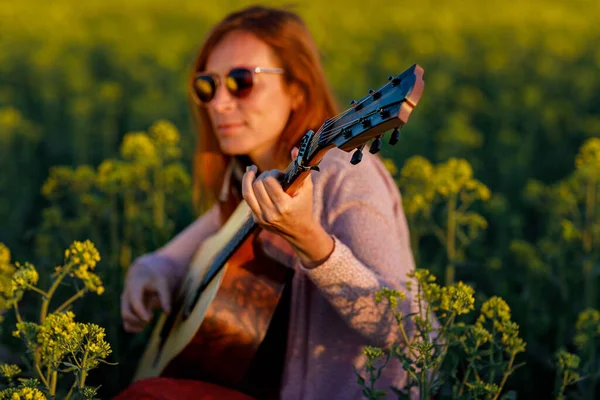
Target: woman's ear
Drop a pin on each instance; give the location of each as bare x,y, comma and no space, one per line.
297,95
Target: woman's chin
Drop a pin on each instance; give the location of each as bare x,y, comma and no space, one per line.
233,149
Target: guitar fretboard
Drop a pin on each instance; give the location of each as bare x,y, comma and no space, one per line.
225,254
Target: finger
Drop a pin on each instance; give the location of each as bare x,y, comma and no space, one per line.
136,299
134,327
272,184
164,294
260,192
294,153
248,191
128,316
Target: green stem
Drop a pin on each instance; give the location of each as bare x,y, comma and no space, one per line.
71,300
54,379
464,381
506,374
83,371
414,243
70,392
492,366
451,239
35,289
17,313
41,375
423,384
114,229
125,254
159,198
48,297
587,242
594,376
49,377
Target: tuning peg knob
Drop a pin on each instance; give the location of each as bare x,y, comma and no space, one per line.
376,145
395,136
352,102
357,156
374,94
390,78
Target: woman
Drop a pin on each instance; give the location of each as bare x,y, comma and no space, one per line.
345,227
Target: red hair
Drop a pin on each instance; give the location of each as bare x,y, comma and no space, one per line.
287,35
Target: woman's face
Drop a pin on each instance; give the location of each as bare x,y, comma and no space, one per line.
250,125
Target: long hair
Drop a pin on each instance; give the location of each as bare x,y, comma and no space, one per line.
290,40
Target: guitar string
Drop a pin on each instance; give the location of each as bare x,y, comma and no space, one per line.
320,134
328,133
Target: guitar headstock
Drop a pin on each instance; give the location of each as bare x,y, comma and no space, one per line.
386,108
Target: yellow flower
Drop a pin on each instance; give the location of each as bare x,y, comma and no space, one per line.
495,308
165,133
24,393
4,254
392,295
139,147
567,360
26,275
587,160
510,338
479,334
9,370
588,327
84,256
372,352
458,298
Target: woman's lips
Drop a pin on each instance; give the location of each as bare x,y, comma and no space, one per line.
229,128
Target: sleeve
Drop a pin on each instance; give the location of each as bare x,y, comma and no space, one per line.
172,259
372,250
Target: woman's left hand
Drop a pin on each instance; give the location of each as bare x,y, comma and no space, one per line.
275,210
290,216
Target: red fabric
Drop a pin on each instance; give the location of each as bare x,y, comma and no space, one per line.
177,389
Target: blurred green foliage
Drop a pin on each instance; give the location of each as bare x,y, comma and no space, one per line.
512,88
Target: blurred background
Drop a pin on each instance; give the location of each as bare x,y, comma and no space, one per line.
96,142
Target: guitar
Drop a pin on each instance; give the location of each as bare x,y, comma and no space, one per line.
224,307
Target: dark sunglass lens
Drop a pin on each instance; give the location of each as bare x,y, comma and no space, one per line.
239,82
205,87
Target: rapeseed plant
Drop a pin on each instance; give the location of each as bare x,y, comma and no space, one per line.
57,344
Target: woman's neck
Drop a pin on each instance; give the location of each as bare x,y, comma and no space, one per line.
265,161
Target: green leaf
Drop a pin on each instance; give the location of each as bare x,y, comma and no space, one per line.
68,364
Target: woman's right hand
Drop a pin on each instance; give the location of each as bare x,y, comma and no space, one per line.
148,285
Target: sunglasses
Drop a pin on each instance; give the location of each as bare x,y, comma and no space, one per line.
238,81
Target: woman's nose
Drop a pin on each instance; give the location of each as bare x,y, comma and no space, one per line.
223,100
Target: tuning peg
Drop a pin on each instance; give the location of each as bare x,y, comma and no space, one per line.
395,136
384,112
357,106
374,94
390,78
357,156
376,145
347,132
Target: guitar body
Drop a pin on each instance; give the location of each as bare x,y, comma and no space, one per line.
218,340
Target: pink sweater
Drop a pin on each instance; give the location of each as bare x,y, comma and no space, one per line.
333,312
